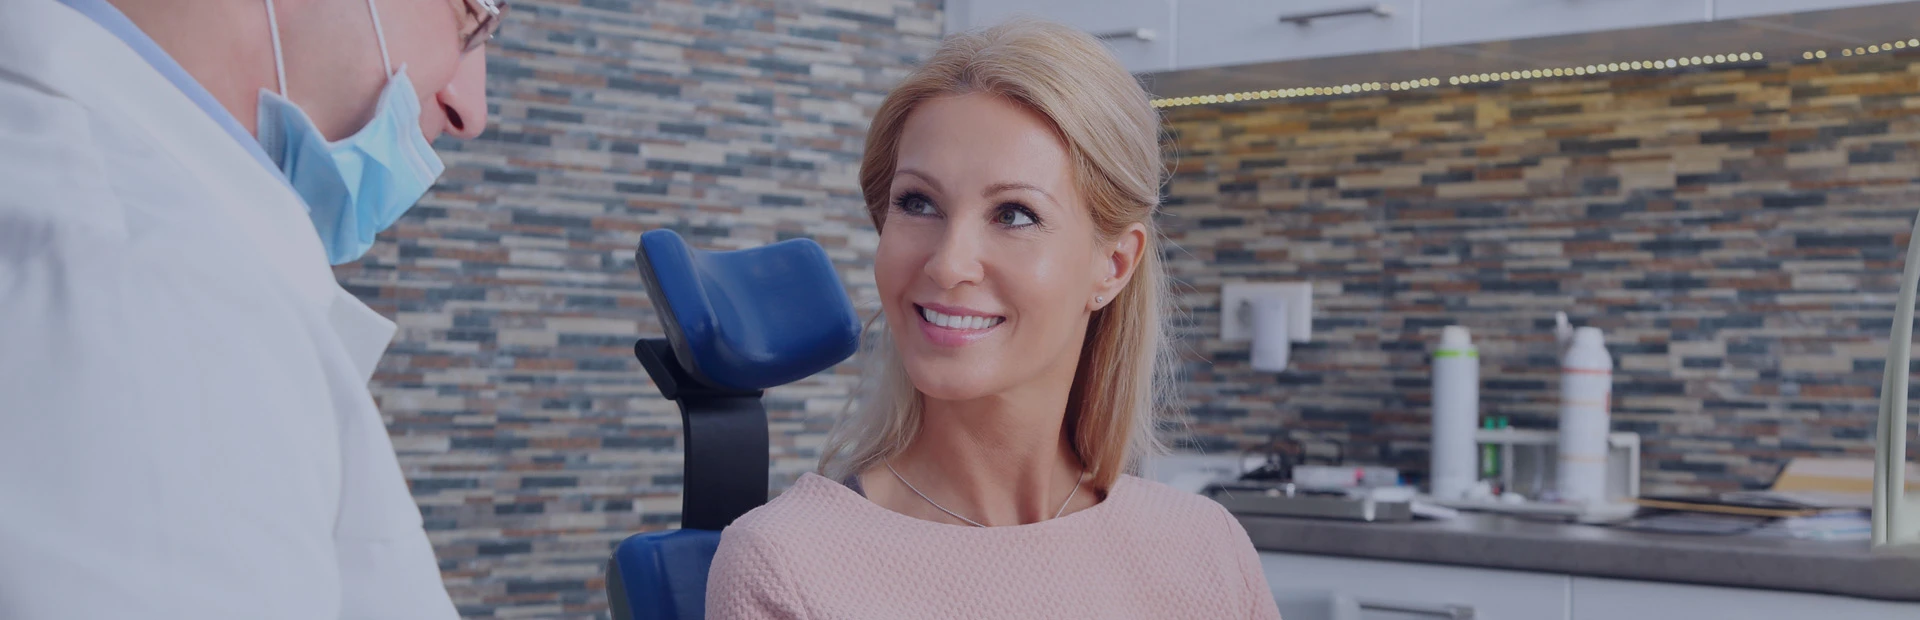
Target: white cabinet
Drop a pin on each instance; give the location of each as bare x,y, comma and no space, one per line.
1140,32
1612,599
1735,9
1453,22
1214,33
1384,590
1401,590
1154,36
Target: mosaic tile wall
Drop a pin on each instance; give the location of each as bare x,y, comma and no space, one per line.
1737,233
530,435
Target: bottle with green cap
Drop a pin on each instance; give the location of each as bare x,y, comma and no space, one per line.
1456,403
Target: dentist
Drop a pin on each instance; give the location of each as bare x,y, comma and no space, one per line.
185,425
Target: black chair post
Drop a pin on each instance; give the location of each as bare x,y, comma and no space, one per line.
726,441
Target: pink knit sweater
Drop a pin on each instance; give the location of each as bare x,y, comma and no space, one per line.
820,550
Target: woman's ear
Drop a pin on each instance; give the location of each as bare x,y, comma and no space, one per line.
1121,259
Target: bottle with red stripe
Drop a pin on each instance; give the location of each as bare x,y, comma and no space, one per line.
1586,394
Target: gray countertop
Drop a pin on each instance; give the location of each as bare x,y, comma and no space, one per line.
1492,541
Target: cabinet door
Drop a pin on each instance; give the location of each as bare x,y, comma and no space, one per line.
1216,33
1735,9
1140,32
1611,599
1452,22
1407,591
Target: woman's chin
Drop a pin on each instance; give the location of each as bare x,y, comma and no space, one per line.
945,382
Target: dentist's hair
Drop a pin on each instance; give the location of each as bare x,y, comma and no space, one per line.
1112,133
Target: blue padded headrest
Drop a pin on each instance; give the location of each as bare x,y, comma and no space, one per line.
749,319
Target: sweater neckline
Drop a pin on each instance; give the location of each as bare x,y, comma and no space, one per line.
841,493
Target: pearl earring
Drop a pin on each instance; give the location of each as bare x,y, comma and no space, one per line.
1099,300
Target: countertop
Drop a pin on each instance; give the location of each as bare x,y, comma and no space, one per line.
1494,541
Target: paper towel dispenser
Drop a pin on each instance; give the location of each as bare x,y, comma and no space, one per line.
1269,315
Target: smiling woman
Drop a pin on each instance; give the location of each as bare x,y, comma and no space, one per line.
1015,379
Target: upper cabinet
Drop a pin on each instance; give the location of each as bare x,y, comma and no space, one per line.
1156,36
1140,32
1214,33
1735,9
1453,22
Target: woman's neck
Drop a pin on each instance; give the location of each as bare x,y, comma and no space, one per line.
1004,460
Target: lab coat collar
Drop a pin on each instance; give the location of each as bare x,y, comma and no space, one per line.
50,46
113,21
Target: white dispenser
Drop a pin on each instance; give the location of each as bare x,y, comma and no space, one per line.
1456,406
1586,398
1272,315
1271,338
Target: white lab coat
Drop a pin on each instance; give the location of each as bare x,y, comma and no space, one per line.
185,426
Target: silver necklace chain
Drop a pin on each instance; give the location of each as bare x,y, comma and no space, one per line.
1056,514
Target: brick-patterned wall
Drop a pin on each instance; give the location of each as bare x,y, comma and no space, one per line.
531,437
1737,233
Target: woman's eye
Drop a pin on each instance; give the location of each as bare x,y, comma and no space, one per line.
1014,216
913,203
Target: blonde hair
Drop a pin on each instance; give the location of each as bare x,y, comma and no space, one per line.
1112,134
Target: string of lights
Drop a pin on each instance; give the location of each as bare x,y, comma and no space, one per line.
1509,76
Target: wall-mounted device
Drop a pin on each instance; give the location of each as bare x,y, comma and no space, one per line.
1270,315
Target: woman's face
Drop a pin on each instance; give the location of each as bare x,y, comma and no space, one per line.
988,262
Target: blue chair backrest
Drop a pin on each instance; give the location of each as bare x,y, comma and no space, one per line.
735,323
662,575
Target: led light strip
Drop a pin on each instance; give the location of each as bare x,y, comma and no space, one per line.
1505,76
1862,51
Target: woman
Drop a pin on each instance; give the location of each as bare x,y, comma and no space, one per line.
1013,180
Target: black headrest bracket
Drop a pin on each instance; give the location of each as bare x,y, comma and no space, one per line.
725,433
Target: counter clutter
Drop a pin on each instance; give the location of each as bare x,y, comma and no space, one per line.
1502,542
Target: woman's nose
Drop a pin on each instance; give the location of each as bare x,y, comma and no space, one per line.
956,257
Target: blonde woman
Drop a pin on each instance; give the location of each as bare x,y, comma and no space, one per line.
1013,180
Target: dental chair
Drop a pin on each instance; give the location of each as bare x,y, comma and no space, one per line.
736,323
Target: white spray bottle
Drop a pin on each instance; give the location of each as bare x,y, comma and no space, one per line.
1586,399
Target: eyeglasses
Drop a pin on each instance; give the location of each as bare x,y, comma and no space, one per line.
486,16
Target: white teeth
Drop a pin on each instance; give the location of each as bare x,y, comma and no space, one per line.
958,322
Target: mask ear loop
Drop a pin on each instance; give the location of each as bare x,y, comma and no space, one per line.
279,67
382,36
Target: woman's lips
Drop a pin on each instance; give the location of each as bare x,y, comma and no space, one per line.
955,327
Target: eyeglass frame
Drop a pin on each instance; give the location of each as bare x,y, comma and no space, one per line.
489,14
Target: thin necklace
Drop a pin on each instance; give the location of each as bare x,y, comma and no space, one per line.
1056,514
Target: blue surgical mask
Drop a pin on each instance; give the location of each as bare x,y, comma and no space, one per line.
358,186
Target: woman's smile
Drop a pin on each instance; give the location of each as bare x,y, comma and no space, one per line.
953,326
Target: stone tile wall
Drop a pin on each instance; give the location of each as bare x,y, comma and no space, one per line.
1738,234
531,437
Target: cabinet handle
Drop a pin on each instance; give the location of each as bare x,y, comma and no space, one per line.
1140,34
1305,19
1452,612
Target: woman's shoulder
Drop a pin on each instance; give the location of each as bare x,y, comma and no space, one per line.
1158,498
768,557
811,502
1157,505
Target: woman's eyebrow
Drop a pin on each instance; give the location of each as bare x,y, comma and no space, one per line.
1007,186
924,177
1004,186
